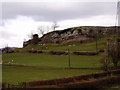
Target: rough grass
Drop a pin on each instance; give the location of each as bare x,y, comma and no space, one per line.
0,73
73,46
14,75
47,60
45,66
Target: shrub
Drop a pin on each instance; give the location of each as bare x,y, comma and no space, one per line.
85,53
58,53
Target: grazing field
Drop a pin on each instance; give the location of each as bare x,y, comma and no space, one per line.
73,46
29,67
47,60
24,67
14,75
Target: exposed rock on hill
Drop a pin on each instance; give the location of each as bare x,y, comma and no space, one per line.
72,34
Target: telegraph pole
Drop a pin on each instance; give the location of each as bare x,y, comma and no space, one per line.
96,44
69,58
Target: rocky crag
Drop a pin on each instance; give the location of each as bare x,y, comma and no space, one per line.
72,34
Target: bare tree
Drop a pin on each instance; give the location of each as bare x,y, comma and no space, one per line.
30,35
41,30
54,25
105,62
114,50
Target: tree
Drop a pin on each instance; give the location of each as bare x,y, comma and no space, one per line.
30,35
24,43
54,25
91,32
105,62
41,30
114,50
35,39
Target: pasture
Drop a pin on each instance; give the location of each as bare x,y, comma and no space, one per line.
24,66
19,67
73,46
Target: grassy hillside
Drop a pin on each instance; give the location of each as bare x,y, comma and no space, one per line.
27,67
56,61
73,46
45,66
15,75
24,66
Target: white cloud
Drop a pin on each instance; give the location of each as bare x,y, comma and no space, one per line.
93,21
16,30
59,0
20,19
49,11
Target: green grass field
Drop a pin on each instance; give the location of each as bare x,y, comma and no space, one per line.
45,66
73,46
14,75
47,60
22,66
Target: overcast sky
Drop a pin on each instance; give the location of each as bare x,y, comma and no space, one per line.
22,18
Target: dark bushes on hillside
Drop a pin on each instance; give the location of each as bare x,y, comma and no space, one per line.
78,81
100,83
11,51
101,50
39,51
115,71
34,51
83,77
58,53
64,80
36,83
7,50
98,75
85,53
35,39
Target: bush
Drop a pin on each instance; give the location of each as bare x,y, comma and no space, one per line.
85,53
58,53
40,83
101,50
64,80
39,51
34,51
99,83
83,77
